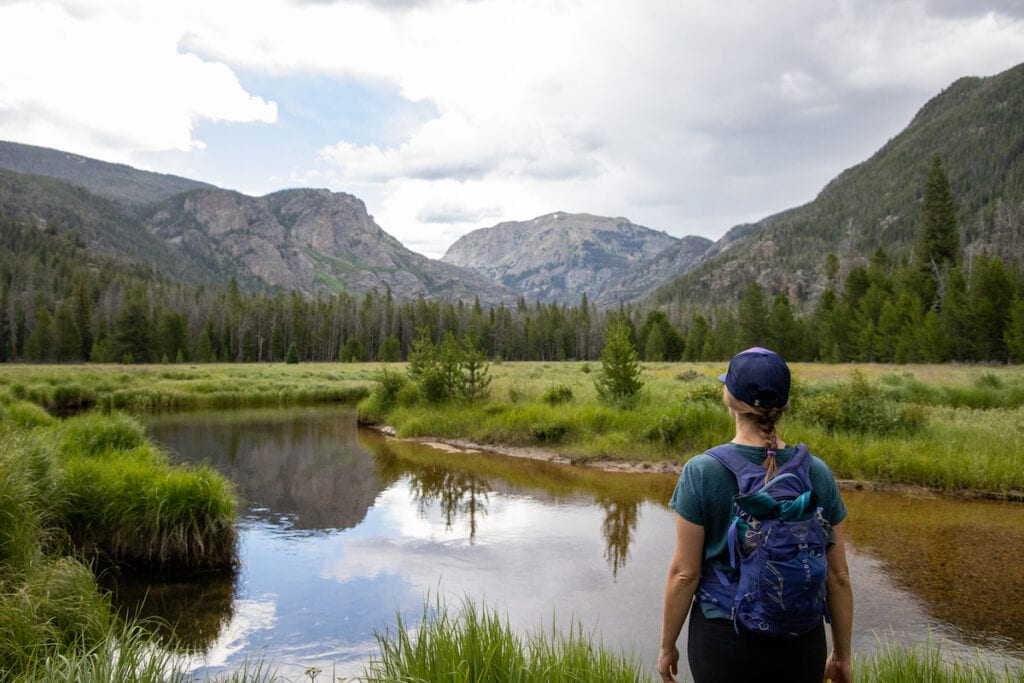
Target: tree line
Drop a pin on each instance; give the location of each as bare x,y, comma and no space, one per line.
61,302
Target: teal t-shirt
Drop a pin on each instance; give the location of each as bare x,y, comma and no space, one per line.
705,490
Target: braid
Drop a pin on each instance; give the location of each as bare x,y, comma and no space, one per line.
765,418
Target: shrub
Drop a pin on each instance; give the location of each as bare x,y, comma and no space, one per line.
557,394
857,406
389,385
688,376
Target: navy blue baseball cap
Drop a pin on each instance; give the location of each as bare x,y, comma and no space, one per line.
759,377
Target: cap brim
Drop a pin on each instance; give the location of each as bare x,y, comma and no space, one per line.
721,378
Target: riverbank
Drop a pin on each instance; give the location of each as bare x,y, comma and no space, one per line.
949,430
462,446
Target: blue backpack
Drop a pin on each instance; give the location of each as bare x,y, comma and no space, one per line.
778,541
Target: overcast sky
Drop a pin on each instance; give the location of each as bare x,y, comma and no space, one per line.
445,116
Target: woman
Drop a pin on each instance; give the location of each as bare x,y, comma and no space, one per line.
756,393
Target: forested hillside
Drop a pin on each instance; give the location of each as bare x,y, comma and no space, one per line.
976,126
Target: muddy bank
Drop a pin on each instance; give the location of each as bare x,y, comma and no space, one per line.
463,446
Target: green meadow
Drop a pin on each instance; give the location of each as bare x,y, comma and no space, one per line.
89,491
947,427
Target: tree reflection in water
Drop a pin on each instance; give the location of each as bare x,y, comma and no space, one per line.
460,483
456,492
617,530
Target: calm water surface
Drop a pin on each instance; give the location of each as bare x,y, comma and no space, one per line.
343,530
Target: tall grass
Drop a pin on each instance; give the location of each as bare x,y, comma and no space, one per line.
476,645
894,663
67,389
86,486
124,502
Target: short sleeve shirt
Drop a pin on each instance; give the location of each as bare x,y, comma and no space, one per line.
705,490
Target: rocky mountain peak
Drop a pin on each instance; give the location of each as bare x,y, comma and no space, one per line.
559,256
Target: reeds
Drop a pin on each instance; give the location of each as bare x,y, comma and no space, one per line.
88,487
476,645
894,663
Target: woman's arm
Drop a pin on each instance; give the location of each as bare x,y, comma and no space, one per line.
683,577
840,606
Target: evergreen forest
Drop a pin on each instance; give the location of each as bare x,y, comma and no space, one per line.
61,302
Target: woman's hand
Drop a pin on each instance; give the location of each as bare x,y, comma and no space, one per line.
668,664
836,671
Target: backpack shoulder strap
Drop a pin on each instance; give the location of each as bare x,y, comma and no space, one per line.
727,455
800,465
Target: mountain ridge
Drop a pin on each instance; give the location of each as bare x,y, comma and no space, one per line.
560,256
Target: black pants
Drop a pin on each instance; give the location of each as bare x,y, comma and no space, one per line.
718,654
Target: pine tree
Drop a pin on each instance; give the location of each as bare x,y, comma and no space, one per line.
752,317
938,241
67,341
618,381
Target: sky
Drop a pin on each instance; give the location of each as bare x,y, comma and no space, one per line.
445,116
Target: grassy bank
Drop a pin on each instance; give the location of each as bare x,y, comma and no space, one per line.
85,492
951,428
72,388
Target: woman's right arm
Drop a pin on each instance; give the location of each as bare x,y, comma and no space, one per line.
683,577
839,667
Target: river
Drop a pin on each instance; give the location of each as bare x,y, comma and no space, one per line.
343,529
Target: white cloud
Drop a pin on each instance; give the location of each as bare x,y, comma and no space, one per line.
110,83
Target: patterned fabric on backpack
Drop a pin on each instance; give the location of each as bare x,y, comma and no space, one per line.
778,543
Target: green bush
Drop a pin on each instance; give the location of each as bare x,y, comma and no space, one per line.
389,384
557,394
860,407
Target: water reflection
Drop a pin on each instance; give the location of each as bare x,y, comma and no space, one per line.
302,464
186,616
344,529
459,483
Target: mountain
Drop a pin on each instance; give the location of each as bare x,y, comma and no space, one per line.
644,278
976,126
117,182
310,240
306,240
558,257
108,229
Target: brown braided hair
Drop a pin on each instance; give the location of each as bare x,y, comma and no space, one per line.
765,419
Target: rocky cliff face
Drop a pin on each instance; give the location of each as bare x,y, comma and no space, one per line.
643,279
558,257
311,240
